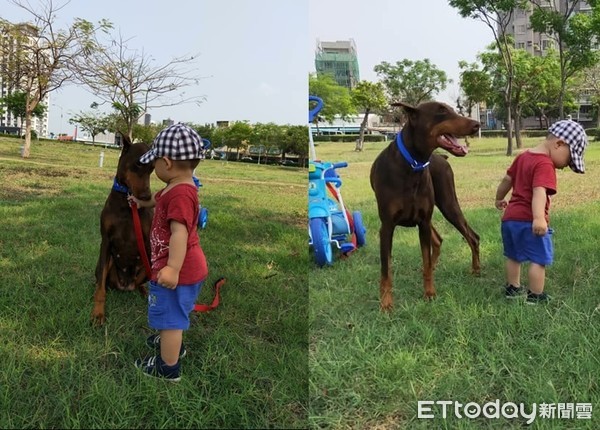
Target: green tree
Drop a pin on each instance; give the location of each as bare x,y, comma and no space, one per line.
267,134
410,81
336,99
295,140
588,85
368,97
42,63
16,104
475,84
575,35
237,136
92,122
497,16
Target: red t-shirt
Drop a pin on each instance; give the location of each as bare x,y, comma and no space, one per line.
529,170
179,204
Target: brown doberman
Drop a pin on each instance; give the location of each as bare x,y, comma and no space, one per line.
119,263
408,180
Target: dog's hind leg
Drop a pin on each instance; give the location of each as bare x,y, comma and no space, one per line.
436,244
455,217
386,235
425,238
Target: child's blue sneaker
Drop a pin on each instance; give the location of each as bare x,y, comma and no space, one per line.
534,299
156,368
512,292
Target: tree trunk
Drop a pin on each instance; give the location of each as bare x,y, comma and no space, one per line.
518,128
509,127
361,135
27,143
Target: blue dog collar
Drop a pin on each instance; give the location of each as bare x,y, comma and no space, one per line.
119,188
416,165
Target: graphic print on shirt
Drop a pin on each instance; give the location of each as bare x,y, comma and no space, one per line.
159,247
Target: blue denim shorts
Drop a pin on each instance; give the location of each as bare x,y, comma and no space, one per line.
520,244
170,309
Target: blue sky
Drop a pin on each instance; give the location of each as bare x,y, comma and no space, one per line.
392,30
249,54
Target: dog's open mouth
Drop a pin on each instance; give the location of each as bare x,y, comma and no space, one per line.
450,143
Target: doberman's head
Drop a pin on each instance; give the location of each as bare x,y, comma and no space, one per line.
131,173
433,125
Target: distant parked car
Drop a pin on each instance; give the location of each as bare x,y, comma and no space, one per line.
289,163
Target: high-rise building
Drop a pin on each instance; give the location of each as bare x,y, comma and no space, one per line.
9,123
340,60
533,42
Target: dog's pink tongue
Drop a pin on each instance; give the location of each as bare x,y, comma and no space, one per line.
463,148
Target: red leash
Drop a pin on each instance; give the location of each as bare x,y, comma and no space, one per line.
139,238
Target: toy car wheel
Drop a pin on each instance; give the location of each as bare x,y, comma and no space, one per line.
321,243
359,229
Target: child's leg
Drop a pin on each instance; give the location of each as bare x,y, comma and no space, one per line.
513,272
170,344
537,278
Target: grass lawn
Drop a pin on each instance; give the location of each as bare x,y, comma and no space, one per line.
369,369
247,361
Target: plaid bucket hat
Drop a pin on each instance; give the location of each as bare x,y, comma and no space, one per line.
177,142
574,135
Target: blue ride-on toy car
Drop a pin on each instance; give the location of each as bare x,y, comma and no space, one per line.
329,221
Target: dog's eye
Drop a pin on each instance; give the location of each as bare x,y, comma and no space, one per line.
138,164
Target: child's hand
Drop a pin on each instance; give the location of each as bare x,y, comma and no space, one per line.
539,226
132,199
168,277
501,204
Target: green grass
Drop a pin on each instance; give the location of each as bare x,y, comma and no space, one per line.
247,361
369,369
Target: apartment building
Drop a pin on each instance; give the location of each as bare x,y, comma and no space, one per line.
9,123
339,59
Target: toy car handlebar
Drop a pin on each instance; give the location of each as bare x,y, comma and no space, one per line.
312,113
340,165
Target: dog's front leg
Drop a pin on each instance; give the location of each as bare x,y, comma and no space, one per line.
104,265
386,235
425,233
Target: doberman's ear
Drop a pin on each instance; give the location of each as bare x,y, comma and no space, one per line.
410,110
126,141
406,106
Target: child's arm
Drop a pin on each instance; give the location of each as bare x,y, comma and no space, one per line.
503,189
142,203
168,276
538,208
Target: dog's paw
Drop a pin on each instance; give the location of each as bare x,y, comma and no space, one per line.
387,306
97,319
429,296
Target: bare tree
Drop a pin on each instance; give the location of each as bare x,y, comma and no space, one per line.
35,56
130,83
